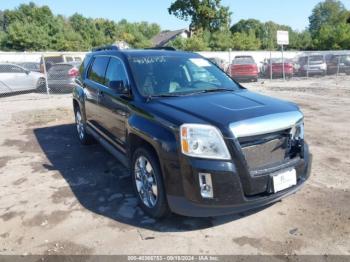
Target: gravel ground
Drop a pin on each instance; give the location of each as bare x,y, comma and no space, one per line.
58,197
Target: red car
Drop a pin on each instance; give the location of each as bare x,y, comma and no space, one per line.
244,68
277,68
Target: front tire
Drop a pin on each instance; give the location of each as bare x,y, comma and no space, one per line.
41,85
148,183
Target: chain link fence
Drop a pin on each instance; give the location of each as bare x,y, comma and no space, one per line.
39,75
253,66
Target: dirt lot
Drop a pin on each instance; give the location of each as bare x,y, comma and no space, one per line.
57,197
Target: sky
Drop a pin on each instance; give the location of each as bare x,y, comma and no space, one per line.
294,13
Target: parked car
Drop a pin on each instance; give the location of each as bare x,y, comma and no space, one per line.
51,59
61,76
277,68
14,78
219,62
244,68
339,64
30,66
194,147
312,65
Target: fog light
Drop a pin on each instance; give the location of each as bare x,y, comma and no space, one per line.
206,185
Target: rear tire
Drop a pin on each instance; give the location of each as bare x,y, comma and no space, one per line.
41,85
80,123
148,183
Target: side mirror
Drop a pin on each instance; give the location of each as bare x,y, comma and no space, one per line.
119,87
27,72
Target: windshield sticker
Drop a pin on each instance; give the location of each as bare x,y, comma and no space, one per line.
148,59
200,62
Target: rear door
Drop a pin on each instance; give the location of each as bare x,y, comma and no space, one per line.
93,85
113,105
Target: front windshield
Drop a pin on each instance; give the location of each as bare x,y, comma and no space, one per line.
243,60
177,75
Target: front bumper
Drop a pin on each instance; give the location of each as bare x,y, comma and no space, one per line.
313,71
230,185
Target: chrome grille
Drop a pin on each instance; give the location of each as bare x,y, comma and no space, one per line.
267,154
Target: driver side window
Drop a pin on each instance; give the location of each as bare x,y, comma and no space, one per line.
115,72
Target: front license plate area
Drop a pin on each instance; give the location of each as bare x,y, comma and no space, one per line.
284,180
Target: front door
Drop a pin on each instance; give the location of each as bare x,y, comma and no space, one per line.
114,109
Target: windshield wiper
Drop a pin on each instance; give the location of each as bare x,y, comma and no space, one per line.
213,90
150,97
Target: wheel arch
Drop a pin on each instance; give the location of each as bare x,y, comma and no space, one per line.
155,136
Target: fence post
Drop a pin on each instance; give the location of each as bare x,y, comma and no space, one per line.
338,66
45,75
284,73
308,64
271,76
229,62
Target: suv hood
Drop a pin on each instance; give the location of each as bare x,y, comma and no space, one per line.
220,109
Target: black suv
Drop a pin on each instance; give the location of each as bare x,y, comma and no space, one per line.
197,143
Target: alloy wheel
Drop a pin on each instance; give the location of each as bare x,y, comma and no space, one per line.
146,183
80,125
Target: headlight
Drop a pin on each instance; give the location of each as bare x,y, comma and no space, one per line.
203,141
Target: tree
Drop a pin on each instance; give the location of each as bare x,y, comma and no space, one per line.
328,12
328,25
245,26
197,42
203,14
245,41
220,40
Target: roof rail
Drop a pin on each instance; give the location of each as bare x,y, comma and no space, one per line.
168,48
103,48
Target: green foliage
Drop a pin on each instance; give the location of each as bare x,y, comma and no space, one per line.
203,14
328,25
195,43
245,41
221,40
33,28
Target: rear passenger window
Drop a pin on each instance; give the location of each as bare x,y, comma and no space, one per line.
98,69
115,72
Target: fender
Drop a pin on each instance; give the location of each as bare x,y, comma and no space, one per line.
157,133
161,135
79,96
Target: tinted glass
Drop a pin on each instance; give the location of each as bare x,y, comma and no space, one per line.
243,60
177,75
98,69
316,59
85,64
10,69
31,66
115,72
59,68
